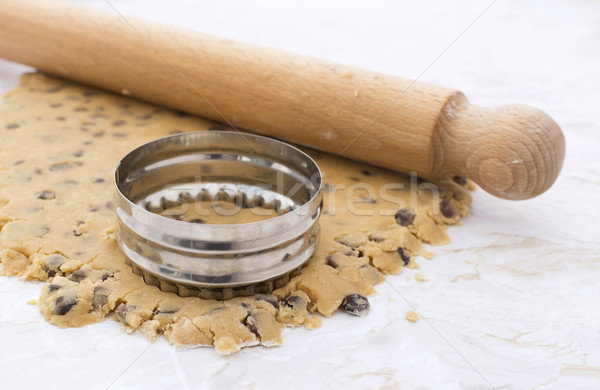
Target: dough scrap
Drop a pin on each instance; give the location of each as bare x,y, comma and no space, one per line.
59,143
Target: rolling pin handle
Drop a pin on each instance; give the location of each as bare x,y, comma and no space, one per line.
513,152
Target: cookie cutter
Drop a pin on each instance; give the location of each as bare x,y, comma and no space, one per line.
213,260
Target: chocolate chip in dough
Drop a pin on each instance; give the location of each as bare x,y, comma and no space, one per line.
460,180
294,301
119,122
165,312
53,287
46,195
367,172
404,255
59,167
106,275
78,276
404,217
330,262
12,126
448,209
52,264
252,324
122,310
356,305
62,305
100,297
197,220
55,105
272,299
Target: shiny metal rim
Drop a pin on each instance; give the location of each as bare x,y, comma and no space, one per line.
247,169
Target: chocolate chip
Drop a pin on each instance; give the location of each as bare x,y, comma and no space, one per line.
404,255
52,264
252,324
61,118
46,195
286,257
100,297
121,312
41,231
244,305
119,122
109,205
12,126
19,162
53,287
94,209
448,210
345,241
38,171
294,301
376,239
78,276
100,180
78,153
164,312
107,275
272,299
367,173
58,167
355,304
197,220
55,105
404,217
62,305
98,134
460,180
330,262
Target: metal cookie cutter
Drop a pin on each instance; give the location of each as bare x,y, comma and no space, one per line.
215,260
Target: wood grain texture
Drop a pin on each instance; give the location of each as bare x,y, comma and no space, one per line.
513,152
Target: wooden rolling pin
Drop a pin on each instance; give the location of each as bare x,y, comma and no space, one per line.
513,152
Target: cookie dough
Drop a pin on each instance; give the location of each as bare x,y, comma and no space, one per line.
59,143
412,316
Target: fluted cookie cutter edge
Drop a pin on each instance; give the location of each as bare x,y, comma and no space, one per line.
249,170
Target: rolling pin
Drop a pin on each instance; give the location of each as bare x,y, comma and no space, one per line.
513,152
